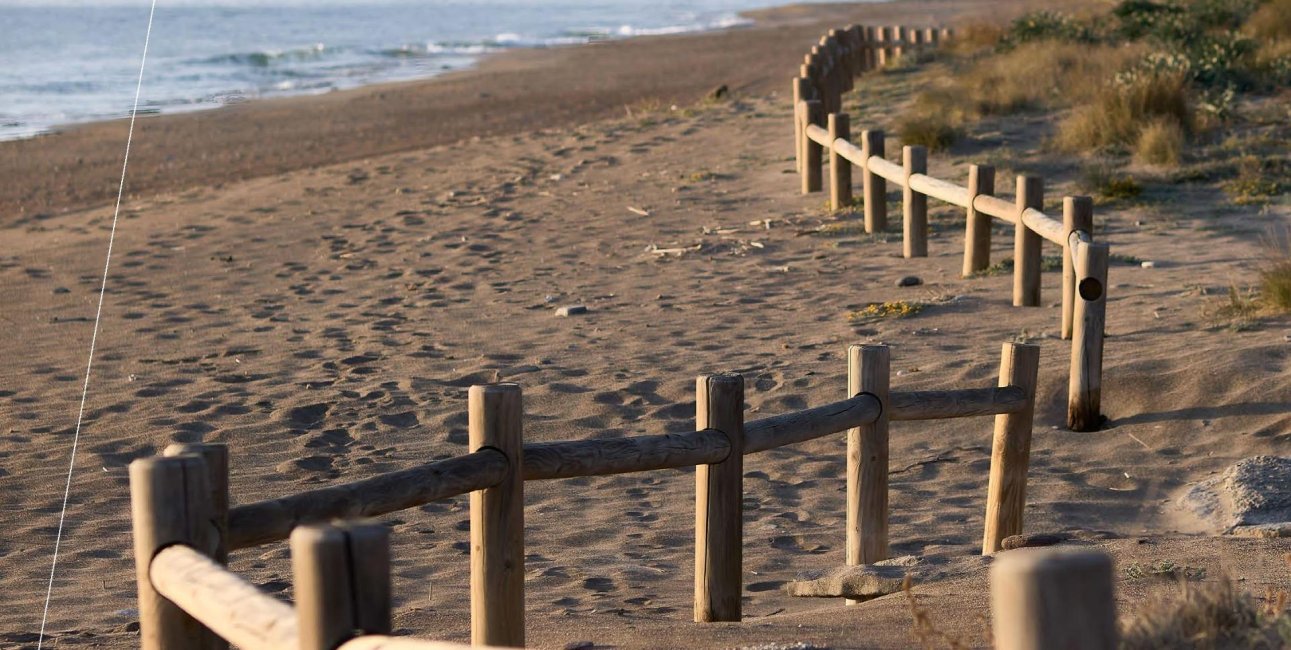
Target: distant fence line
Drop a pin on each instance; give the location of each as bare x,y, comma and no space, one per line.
821,125
184,527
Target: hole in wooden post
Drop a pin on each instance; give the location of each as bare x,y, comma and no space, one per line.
1091,289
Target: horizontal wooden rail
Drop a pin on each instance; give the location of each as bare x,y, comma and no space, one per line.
996,207
550,460
1045,226
819,135
850,152
939,189
809,424
230,606
269,521
944,404
888,170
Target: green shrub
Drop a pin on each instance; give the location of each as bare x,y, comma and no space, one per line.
1045,26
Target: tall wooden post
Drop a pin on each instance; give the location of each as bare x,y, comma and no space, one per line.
868,371
898,35
873,186
497,520
801,92
811,173
1011,449
840,170
869,46
914,205
342,582
1026,245
1043,599
170,503
977,233
1085,388
719,502
1077,214
882,56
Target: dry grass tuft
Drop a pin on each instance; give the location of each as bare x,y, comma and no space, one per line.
927,632
1120,112
1160,143
1275,276
1211,616
1039,75
935,130
880,310
1272,21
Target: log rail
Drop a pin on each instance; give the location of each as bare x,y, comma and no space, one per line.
183,524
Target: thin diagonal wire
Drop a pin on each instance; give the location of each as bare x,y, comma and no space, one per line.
94,338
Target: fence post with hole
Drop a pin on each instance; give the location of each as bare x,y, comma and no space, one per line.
1077,215
1084,393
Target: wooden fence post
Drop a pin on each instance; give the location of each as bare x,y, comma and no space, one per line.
913,204
170,503
1026,244
719,502
1011,449
873,186
881,54
1084,391
811,173
216,457
1043,599
801,93
977,233
497,520
341,577
868,371
840,170
897,34
868,47
1077,214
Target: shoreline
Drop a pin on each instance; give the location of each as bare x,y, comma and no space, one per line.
504,93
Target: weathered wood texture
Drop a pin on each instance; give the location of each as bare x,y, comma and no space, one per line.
1085,380
868,372
887,170
994,206
977,232
873,187
719,502
1077,216
939,189
914,206
379,642
840,170
216,457
814,114
341,576
1026,244
269,521
170,503
223,602
1051,599
946,404
1011,449
497,519
1045,226
552,460
809,424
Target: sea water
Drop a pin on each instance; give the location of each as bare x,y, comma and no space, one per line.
67,61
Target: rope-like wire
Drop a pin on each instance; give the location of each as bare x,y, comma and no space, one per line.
94,337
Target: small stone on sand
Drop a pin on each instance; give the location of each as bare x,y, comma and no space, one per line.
909,281
1032,540
571,310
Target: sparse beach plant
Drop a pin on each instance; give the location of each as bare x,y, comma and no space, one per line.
1213,615
881,310
935,130
1103,179
1160,143
1275,274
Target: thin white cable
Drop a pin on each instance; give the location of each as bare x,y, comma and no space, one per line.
94,338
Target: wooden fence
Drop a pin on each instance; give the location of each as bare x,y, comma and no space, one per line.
184,527
821,126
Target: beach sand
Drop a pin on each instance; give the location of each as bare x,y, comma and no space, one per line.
317,281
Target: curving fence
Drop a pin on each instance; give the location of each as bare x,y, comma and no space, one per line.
184,527
821,128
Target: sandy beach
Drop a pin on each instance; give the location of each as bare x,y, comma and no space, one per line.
316,282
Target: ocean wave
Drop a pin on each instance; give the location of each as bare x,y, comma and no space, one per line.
266,58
